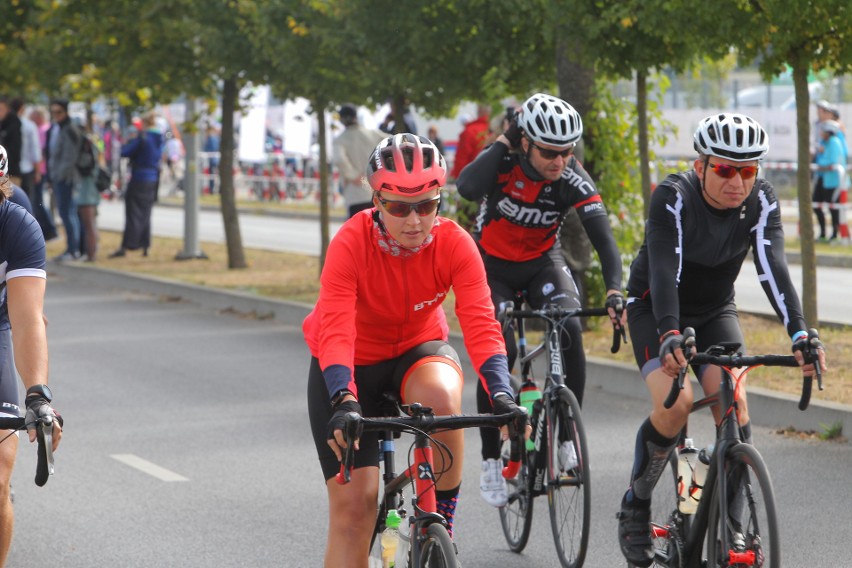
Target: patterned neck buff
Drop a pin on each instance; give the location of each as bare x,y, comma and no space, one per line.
393,247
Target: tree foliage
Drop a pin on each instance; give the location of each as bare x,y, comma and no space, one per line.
804,37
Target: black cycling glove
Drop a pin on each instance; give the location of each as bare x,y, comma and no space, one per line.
670,342
513,133
503,405
38,407
808,346
616,302
338,419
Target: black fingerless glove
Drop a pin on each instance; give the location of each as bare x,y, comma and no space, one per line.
671,341
503,405
615,301
513,133
338,419
39,407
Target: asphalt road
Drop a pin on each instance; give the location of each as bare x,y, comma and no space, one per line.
302,236
187,445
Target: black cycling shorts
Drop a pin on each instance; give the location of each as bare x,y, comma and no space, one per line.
547,280
372,382
711,328
9,396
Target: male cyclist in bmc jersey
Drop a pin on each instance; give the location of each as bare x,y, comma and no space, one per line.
378,326
22,285
526,182
701,225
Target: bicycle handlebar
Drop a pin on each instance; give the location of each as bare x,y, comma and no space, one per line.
558,312
44,435
721,355
424,421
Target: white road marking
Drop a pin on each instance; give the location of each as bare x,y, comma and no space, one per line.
145,466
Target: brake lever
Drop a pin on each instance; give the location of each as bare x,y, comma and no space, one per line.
44,434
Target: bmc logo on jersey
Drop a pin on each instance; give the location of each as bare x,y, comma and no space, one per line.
593,206
527,216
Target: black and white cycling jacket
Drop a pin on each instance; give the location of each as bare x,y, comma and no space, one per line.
697,252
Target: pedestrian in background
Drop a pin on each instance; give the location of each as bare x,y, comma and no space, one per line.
436,140
349,153
30,150
211,147
60,151
144,152
11,139
88,197
831,169
471,140
40,211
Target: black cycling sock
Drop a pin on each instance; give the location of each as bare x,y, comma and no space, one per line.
446,504
651,456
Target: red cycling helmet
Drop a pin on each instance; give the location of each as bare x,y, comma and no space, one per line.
406,164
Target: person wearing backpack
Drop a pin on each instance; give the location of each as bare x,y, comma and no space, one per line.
61,151
144,152
87,195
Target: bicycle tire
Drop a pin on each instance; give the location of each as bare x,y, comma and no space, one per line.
569,494
760,519
437,550
516,515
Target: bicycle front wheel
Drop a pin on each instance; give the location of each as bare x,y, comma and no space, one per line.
751,529
568,483
438,550
516,516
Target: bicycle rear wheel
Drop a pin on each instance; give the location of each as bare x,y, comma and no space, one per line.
569,482
752,524
516,516
438,550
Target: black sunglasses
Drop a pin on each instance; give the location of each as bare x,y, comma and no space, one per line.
552,154
403,209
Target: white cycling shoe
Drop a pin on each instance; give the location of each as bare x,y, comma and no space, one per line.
492,485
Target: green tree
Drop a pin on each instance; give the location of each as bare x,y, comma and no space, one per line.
804,36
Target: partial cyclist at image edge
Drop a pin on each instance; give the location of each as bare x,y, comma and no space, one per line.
22,286
701,225
526,182
378,326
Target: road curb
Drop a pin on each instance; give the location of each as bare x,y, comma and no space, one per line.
767,408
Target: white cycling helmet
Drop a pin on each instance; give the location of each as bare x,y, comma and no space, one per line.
732,136
406,164
4,162
548,120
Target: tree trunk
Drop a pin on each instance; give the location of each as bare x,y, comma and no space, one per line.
642,120
324,190
803,183
227,196
577,87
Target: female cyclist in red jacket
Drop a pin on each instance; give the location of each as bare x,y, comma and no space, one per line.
378,326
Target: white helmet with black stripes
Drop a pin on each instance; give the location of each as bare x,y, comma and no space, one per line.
735,137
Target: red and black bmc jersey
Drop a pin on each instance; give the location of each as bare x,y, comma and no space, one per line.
519,199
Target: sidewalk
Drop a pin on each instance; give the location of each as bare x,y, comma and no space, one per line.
772,409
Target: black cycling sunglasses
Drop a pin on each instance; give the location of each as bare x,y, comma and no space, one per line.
552,154
403,209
